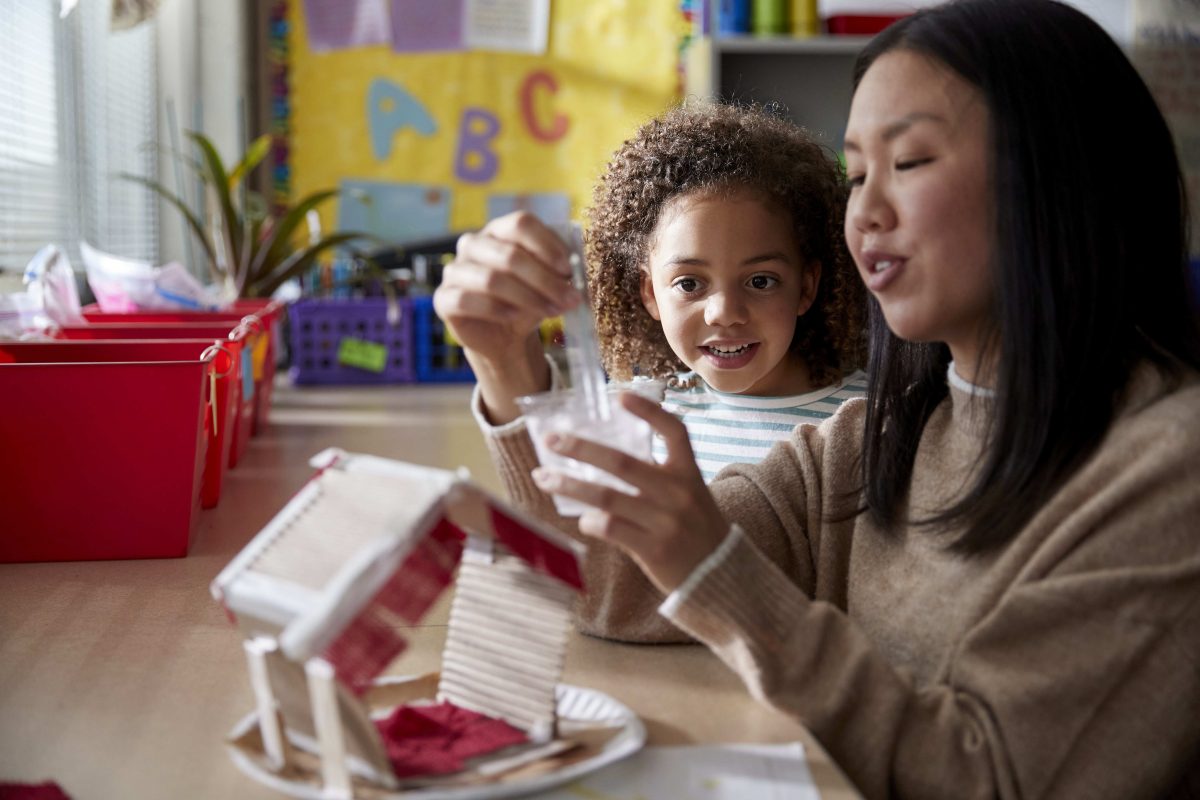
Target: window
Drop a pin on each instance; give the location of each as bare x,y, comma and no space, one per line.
79,108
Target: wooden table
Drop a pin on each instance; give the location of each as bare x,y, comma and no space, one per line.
120,679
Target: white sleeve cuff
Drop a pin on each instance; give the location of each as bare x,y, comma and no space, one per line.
486,424
714,560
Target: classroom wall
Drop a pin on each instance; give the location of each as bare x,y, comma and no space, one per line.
424,143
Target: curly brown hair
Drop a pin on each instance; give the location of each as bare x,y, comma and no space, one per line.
719,148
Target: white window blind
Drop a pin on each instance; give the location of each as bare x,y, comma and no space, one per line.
77,108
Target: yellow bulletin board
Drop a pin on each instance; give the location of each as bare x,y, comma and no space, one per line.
442,141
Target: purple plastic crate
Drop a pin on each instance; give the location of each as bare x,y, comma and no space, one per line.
318,326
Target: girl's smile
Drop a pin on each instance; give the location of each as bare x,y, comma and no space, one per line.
729,355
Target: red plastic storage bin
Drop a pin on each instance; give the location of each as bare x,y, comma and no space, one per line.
272,313
225,388
266,314
242,342
102,459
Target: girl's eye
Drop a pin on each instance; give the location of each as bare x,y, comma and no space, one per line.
855,180
764,282
687,285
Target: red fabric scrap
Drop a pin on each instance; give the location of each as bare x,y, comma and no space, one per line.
438,739
32,791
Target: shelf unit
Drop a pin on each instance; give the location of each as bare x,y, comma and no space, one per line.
810,77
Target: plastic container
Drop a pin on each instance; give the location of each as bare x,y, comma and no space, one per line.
733,17
438,358
272,313
565,411
321,327
269,316
859,24
102,459
805,18
224,391
243,343
768,17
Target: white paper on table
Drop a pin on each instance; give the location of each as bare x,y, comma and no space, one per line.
719,772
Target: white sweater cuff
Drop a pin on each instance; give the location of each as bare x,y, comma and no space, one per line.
517,424
714,560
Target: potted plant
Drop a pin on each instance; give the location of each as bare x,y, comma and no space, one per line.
249,250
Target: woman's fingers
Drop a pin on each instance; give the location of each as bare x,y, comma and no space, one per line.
607,498
642,475
665,424
668,520
668,533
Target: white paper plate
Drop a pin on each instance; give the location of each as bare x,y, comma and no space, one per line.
576,706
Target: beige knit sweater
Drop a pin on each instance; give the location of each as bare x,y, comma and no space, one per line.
1065,665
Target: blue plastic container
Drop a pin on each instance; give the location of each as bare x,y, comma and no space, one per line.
733,17
438,358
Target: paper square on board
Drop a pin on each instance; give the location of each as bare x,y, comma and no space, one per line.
343,24
426,25
395,212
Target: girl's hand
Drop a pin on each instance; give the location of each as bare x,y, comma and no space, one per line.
502,283
670,524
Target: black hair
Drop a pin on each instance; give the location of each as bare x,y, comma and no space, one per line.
1089,262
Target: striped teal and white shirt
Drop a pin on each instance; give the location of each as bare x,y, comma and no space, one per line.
737,428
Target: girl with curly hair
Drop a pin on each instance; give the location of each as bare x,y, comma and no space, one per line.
715,263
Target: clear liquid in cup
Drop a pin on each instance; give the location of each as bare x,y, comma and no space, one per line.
565,411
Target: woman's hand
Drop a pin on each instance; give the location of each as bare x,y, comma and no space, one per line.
671,522
503,282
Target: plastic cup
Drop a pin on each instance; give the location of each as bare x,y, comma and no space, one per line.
564,411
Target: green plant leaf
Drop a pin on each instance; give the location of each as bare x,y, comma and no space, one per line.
277,244
256,207
242,268
192,220
255,153
219,183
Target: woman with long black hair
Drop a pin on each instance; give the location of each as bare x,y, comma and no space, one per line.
984,579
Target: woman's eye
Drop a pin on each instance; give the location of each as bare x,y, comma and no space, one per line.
687,285
855,181
764,282
912,163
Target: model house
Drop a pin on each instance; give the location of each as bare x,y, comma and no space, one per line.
324,595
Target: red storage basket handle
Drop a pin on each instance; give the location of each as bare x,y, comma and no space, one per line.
213,349
242,331
213,376
252,322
